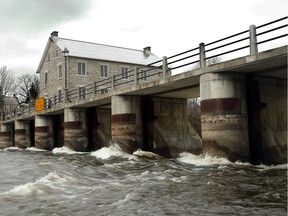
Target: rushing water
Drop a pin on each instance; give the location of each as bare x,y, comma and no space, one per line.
110,182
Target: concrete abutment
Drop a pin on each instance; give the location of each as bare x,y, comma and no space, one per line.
169,129
98,127
270,120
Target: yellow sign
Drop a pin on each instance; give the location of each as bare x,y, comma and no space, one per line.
40,104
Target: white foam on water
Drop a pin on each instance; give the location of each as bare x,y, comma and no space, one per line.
12,148
202,160
207,160
65,150
147,154
111,151
42,185
34,149
270,167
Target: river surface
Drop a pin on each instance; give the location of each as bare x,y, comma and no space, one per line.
110,182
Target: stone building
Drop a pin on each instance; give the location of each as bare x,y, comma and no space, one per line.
86,63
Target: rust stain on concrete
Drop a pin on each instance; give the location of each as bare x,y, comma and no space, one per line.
221,106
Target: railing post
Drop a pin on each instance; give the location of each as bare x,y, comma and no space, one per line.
164,67
65,96
94,88
202,56
253,40
135,76
78,93
112,82
54,100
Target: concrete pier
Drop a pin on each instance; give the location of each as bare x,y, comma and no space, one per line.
75,129
44,132
223,115
6,136
22,133
126,122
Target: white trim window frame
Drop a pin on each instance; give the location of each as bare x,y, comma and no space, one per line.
81,68
46,78
60,70
143,75
124,72
103,71
56,53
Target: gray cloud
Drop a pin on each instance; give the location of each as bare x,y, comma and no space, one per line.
26,22
35,15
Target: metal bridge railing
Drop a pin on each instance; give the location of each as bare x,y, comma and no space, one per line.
244,43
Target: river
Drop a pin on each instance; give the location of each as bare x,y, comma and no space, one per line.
110,182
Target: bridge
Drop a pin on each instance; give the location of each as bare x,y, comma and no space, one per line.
243,104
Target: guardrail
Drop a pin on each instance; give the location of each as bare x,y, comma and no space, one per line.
246,42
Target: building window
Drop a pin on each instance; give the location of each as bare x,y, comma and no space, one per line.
59,71
48,57
56,53
143,75
104,71
82,92
46,78
124,72
81,68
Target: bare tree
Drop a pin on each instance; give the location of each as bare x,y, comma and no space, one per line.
7,81
27,88
209,61
212,61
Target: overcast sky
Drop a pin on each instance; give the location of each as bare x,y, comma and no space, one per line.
168,26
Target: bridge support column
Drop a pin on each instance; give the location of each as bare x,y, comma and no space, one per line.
126,122
75,129
22,134
6,136
44,132
223,115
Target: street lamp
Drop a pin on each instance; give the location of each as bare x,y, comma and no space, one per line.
65,54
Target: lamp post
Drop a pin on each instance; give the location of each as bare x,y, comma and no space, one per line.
65,54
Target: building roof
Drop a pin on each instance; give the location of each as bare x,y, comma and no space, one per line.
105,52
90,50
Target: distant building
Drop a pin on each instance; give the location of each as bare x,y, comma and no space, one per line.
87,62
